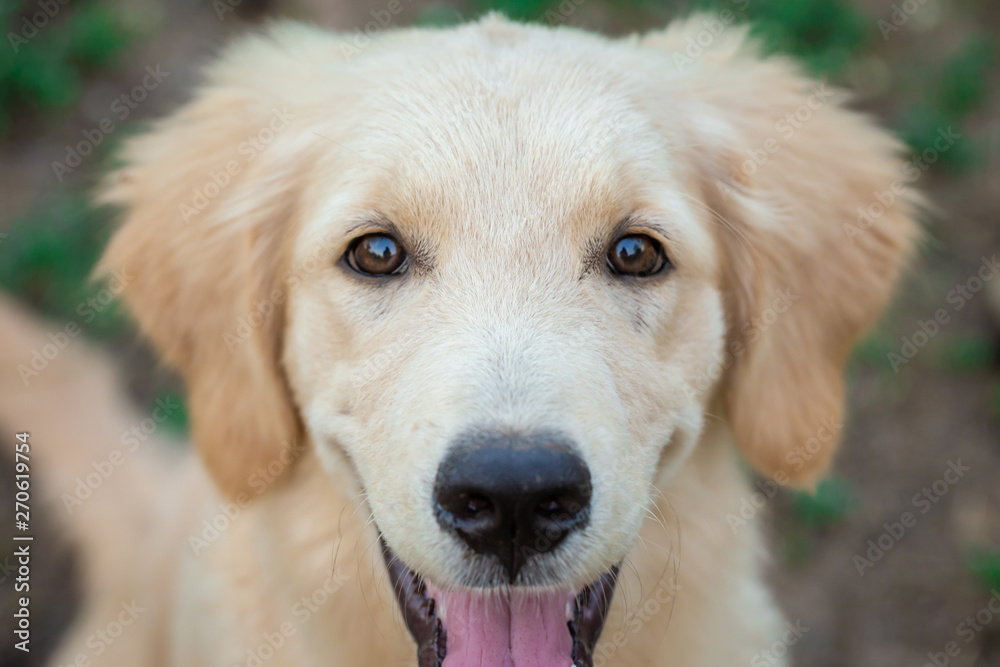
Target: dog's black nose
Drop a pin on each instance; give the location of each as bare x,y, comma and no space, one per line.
512,496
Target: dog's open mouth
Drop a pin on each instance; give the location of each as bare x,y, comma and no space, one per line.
501,628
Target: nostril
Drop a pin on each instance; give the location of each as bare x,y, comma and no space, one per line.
512,497
551,507
559,508
473,506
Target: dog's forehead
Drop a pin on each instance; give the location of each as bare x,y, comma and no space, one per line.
491,130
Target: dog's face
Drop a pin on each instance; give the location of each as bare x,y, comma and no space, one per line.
500,275
525,277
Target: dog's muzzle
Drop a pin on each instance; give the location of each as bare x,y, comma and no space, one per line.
512,498
509,499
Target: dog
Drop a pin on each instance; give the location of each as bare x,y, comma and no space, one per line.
476,325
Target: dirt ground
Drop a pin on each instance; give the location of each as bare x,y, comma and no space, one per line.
906,430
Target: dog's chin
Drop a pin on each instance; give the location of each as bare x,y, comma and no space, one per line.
526,627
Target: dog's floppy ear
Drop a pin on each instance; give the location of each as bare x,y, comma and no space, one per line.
209,195
814,226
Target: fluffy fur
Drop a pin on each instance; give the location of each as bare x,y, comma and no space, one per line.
506,157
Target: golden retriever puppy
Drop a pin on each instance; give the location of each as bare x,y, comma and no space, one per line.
474,323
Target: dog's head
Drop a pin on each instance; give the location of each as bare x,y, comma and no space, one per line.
502,274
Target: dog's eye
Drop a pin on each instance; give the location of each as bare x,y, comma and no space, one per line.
376,255
637,255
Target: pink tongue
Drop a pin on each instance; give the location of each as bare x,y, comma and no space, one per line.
506,630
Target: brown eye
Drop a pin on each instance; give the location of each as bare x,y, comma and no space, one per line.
376,255
637,255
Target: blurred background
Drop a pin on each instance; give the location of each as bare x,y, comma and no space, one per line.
873,587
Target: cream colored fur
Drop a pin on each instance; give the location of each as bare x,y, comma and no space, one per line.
505,154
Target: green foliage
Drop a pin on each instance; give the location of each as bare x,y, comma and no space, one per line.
920,126
951,93
825,34
965,82
834,499
42,66
796,546
959,352
965,353
519,10
46,258
176,419
984,564
873,349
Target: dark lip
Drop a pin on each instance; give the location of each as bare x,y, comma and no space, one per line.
590,611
